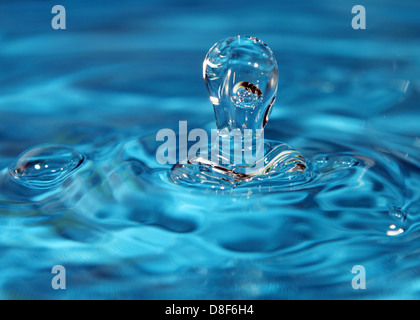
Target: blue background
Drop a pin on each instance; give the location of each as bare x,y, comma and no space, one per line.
124,70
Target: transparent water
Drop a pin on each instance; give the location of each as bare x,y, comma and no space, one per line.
347,100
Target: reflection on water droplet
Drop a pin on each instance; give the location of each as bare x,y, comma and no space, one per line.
246,95
45,166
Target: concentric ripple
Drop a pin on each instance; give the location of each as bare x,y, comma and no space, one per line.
281,162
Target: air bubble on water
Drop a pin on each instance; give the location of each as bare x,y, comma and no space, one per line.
398,214
45,166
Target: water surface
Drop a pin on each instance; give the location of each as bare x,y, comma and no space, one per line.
347,100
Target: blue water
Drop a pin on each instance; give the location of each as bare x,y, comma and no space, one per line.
97,94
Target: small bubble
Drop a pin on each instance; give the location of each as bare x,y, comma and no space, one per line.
398,214
246,95
45,166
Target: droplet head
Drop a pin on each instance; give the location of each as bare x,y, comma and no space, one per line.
241,75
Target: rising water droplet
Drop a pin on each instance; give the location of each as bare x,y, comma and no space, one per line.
45,166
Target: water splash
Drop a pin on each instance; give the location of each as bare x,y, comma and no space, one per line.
45,166
241,75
